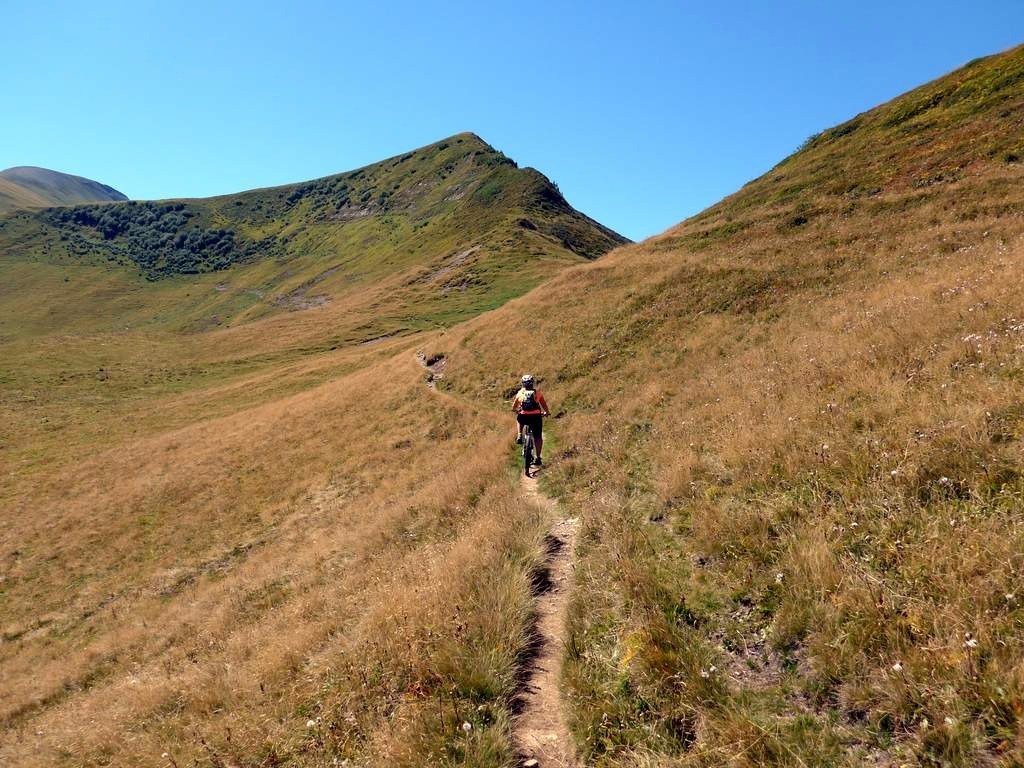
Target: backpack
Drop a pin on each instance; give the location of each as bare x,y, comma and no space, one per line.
529,400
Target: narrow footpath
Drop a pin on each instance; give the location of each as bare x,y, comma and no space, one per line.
540,731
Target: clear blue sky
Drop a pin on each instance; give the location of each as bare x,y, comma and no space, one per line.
643,112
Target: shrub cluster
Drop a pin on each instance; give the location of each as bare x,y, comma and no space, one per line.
161,238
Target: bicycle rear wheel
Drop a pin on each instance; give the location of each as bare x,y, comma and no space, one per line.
528,449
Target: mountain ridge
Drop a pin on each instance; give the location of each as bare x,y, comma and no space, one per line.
455,226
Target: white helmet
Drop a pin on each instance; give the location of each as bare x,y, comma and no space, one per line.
527,380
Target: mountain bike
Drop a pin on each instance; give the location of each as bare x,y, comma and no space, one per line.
529,448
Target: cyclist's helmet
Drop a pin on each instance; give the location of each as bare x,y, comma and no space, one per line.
528,380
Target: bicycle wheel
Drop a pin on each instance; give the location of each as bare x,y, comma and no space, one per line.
527,449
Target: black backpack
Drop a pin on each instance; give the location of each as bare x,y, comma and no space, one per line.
529,400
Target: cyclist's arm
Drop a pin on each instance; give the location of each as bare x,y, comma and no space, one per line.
543,403
515,403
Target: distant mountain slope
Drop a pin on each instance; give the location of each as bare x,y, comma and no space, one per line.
31,187
426,237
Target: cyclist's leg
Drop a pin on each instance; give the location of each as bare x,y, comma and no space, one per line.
538,435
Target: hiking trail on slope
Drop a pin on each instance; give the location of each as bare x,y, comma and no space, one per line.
539,729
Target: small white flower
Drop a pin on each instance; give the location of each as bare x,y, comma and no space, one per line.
712,668
1010,597
950,721
943,480
705,674
971,642
467,727
894,473
779,577
897,667
311,723
854,524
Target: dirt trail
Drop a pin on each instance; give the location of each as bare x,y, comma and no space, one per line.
540,731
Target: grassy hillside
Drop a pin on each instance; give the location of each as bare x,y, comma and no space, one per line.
30,187
106,307
303,580
455,223
792,425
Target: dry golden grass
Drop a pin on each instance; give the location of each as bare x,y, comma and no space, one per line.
206,592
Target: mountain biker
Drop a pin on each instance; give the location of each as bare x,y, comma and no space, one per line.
530,408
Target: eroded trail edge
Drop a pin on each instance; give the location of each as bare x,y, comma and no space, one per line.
540,730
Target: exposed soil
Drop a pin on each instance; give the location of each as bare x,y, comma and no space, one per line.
540,730
300,298
435,367
348,212
377,340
